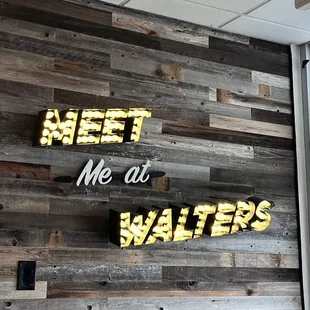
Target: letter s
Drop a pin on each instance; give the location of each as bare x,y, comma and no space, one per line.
261,220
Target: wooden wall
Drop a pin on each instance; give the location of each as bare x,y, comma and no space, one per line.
221,126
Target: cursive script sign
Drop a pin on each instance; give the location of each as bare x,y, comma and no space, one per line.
102,174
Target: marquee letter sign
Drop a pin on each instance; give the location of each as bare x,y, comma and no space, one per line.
90,126
183,222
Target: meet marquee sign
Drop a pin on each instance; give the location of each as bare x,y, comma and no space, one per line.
177,222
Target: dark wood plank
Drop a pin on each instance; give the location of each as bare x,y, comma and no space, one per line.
24,171
284,186
151,289
272,117
265,60
172,273
68,9
17,221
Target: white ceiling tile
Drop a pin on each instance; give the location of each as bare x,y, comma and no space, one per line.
187,11
267,31
283,12
239,6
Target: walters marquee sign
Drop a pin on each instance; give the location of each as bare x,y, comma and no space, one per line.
175,223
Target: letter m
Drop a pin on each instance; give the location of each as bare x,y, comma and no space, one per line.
90,175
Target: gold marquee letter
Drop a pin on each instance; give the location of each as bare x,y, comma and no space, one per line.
53,127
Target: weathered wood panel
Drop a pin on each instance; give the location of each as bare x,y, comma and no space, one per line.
221,127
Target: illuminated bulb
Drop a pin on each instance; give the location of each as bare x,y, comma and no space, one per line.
81,131
47,123
53,126
65,140
79,140
49,114
45,132
67,131
62,126
69,123
56,134
70,115
43,140
84,114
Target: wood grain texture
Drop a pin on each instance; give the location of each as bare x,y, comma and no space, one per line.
8,291
261,128
221,127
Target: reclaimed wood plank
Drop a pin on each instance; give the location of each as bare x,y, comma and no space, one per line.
284,186
279,289
270,79
272,117
11,203
11,255
16,220
265,61
24,90
44,71
190,28
48,238
8,291
239,303
68,9
198,145
256,127
24,171
214,161
90,59
79,272
173,273
266,261
271,153
149,289
15,26
226,135
245,100
61,304
281,94
139,257
229,79
189,116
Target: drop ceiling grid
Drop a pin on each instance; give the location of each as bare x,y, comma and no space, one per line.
273,20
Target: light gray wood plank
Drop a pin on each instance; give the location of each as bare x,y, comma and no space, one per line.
60,304
8,291
273,167
238,303
246,100
270,79
256,127
279,289
281,94
198,145
226,303
164,30
152,125
229,79
266,261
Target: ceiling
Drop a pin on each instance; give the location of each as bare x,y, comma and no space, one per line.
273,20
